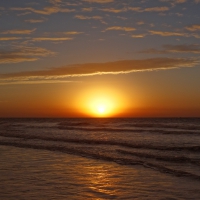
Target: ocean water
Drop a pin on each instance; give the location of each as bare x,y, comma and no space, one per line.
100,159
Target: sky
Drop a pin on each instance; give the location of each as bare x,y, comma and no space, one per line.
100,58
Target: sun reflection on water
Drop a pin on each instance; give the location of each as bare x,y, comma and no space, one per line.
100,181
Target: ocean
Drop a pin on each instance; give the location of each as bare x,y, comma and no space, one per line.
97,159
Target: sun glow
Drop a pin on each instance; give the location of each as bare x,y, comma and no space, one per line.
101,109
100,102
101,106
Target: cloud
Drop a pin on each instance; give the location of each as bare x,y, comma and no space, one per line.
113,10
140,23
46,11
51,39
34,81
72,33
191,48
120,28
99,1
19,32
82,17
180,1
35,20
138,36
55,1
174,2
179,14
181,34
195,27
196,35
152,9
12,58
137,9
24,13
23,54
153,51
9,38
60,36
156,9
165,33
88,69
87,9
123,18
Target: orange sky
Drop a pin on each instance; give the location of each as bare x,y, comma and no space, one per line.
149,94
107,58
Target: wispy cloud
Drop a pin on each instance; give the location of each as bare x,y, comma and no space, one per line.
98,1
140,23
137,9
82,17
120,28
180,1
19,32
190,48
46,11
23,54
196,36
72,33
166,33
33,81
138,35
55,1
195,27
89,69
51,39
113,10
87,9
9,38
156,9
35,20
12,58
174,2
150,9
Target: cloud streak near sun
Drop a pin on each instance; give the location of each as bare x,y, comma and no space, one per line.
89,69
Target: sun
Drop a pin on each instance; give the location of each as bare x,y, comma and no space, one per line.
100,102
101,106
101,109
